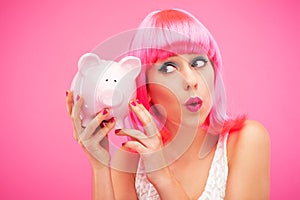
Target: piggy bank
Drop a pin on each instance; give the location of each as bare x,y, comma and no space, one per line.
105,84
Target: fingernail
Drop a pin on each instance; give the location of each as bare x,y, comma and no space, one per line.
67,93
77,97
104,111
138,101
117,130
123,144
112,120
102,125
133,103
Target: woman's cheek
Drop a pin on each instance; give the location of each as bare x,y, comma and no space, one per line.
163,95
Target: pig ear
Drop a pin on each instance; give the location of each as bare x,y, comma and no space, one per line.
88,60
131,63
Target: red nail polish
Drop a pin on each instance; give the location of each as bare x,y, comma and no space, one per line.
138,101
123,143
133,103
112,120
105,111
117,130
67,93
77,98
103,124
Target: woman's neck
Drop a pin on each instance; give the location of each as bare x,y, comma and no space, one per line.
195,132
184,141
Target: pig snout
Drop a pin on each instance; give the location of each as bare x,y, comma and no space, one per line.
111,97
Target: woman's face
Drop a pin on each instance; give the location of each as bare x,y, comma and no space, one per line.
183,85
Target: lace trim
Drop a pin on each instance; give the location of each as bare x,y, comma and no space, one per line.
216,183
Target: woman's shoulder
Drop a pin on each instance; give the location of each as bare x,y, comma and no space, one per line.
251,139
248,151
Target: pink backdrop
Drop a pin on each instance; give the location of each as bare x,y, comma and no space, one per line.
41,42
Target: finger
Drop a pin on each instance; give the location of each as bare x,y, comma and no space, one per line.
145,118
142,107
94,143
151,129
96,151
69,101
69,105
151,143
141,112
139,136
76,114
108,126
135,145
135,134
93,124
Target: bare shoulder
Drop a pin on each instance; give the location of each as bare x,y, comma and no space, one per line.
252,137
249,162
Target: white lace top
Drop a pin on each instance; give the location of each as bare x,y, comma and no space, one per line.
216,182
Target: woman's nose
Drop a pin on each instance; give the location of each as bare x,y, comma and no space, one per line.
190,79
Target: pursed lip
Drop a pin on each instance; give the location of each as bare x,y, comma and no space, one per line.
193,104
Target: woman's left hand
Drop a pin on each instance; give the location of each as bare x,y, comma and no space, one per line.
150,147
149,144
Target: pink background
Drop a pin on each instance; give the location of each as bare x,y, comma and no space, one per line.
41,42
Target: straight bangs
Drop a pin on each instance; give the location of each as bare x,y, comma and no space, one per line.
158,41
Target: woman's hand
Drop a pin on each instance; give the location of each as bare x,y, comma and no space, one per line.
143,143
91,137
150,147
149,144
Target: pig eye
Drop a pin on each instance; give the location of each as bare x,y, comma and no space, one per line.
115,81
106,80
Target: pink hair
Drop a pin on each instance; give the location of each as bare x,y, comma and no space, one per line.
168,32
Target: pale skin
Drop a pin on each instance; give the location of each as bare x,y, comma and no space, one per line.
177,78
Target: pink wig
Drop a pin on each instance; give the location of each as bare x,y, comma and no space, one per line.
170,32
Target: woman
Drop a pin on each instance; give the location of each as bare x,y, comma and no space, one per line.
225,158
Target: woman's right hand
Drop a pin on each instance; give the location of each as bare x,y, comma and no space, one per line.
91,137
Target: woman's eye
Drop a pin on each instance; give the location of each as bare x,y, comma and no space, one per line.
199,62
167,67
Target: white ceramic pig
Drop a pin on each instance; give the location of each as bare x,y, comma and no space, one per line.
105,84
